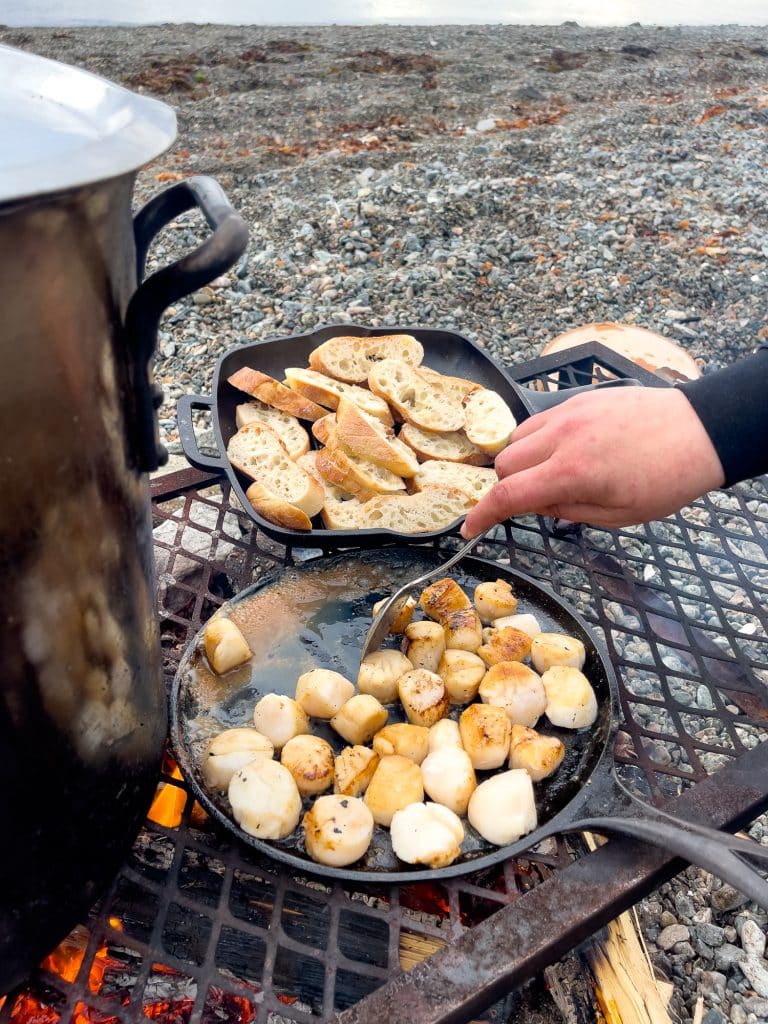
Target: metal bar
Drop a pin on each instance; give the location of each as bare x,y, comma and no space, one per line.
521,939
171,485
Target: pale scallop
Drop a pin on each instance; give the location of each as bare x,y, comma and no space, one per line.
403,617
225,646
228,752
571,701
395,784
517,689
428,834
360,718
265,799
549,649
523,620
310,761
321,692
485,732
353,770
461,672
411,741
423,697
493,599
379,672
425,644
539,755
444,733
463,630
449,778
502,808
337,830
280,718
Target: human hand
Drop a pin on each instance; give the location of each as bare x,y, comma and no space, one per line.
611,458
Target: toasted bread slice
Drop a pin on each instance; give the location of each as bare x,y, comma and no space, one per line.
355,474
289,430
489,421
434,508
416,399
326,391
272,392
350,359
321,429
456,388
369,438
282,492
475,481
450,446
341,509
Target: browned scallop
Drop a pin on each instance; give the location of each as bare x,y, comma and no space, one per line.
463,630
225,645
461,672
353,770
411,741
309,759
395,784
403,617
494,599
423,697
485,732
360,718
516,688
539,755
425,644
507,644
441,598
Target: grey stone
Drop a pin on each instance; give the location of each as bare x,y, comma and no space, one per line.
752,938
727,898
755,970
671,935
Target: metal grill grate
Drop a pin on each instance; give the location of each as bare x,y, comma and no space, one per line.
197,927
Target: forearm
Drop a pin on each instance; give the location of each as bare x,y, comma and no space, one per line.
732,404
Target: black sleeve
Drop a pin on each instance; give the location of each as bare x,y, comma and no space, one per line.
733,406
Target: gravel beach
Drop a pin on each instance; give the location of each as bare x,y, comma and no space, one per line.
507,182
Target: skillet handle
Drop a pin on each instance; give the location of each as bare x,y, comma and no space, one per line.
718,852
539,401
184,408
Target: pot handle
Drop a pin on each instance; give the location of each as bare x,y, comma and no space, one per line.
184,408
153,296
539,401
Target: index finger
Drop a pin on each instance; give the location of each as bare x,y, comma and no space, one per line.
532,490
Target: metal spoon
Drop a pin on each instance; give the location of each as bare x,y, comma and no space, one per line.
392,606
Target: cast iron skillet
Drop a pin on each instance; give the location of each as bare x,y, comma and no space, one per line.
444,351
316,615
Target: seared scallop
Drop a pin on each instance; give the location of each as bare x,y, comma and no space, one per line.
411,741
321,692
395,784
549,649
449,778
485,732
423,697
539,755
265,799
571,701
502,808
461,672
229,751
353,769
425,644
463,630
442,597
428,834
506,644
360,718
523,620
494,599
403,617
379,672
280,719
225,646
517,689
309,759
337,830
444,733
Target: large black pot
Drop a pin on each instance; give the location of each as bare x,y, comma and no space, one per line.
82,703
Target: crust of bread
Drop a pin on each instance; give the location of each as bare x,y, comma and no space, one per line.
475,481
457,388
272,392
358,476
350,359
367,437
291,433
322,428
448,446
489,421
276,510
327,391
414,398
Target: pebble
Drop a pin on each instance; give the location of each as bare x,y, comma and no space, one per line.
752,939
756,971
671,935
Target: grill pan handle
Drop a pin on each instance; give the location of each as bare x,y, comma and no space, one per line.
150,300
539,401
184,408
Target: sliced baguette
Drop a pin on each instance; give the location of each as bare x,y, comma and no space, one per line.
272,392
321,429
457,388
475,481
289,430
416,399
365,436
350,359
450,446
326,391
341,510
355,474
434,508
489,421
282,491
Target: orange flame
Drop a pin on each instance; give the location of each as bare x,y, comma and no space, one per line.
169,803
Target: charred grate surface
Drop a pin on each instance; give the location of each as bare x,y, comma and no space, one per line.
198,928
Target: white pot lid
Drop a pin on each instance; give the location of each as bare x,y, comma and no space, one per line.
63,127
